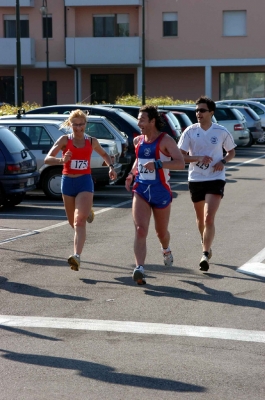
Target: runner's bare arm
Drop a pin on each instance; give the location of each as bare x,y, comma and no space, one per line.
59,145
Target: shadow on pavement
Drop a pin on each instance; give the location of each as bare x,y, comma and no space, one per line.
102,373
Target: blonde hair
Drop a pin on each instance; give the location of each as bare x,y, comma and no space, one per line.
73,114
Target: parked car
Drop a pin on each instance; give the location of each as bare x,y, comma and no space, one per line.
97,126
132,110
183,119
253,123
187,109
171,123
18,169
259,99
256,106
39,136
122,120
234,122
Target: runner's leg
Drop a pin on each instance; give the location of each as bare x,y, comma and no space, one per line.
161,217
212,202
141,211
83,204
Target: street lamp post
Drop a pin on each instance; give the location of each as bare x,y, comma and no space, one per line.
143,52
18,49
44,12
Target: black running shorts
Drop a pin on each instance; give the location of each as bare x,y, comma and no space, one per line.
198,190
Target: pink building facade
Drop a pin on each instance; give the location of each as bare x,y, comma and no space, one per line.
191,47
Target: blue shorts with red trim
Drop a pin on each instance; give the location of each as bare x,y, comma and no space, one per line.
157,196
73,186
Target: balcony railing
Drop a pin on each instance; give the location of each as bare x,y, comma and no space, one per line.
73,3
12,3
101,51
9,53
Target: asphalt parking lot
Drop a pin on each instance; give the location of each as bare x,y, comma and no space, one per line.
94,334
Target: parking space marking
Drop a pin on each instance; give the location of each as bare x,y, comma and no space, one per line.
254,266
133,327
245,162
47,228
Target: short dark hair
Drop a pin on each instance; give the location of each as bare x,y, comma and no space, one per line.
210,103
153,113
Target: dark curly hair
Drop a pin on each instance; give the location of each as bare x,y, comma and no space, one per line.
206,100
153,113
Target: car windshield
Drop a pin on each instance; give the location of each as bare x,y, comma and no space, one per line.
258,110
224,114
11,141
173,119
129,118
116,129
248,112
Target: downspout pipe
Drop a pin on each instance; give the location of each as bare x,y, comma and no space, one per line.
72,66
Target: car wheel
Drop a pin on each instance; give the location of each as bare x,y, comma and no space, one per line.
51,184
261,140
250,142
13,200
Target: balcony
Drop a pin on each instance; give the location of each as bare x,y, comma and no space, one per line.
114,51
12,3
9,52
74,3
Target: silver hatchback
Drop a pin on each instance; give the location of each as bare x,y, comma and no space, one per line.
40,135
234,122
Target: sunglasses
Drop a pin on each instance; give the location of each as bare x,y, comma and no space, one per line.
78,125
201,110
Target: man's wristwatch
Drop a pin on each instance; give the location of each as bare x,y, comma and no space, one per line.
111,166
223,161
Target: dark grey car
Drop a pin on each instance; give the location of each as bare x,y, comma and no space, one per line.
253,123
18,169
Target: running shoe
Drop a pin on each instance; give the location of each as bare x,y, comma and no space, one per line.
74,262
139,276
204,263
168,259
210,251
91,216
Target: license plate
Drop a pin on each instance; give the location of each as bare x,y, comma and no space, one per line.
30,181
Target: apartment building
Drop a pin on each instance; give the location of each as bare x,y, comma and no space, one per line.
191,47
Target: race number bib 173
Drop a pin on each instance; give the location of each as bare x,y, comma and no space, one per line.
144,173
79,164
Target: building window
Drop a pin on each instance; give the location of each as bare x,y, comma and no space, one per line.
170,24
10,29
7,89
111,25
49,94
242,85
47,25
106,88
234,23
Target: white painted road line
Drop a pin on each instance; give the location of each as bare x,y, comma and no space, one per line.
133,327
47,228
254,266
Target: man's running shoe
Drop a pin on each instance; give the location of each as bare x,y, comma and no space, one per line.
204,263
168,259
74,262
91,216
139,276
